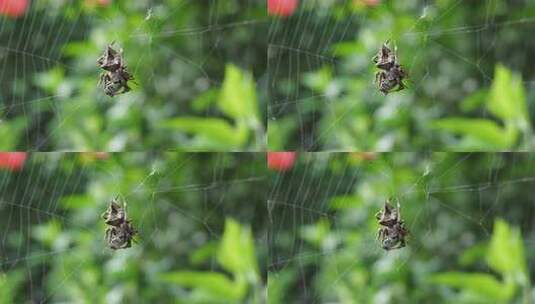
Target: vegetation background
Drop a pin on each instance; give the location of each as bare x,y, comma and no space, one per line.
470,218
471,76
199,66
218,228
200,217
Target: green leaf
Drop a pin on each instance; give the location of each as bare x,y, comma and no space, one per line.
9,284
10,132
236,252
238,95
213,283
474,100
279,284
473,254
482,284
506,251
279,132
210,132
203,253
507,98
204,100
484,132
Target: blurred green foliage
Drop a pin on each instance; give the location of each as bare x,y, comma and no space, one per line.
505,255
198,243
198,68
470,85
469,216
236,254
506,101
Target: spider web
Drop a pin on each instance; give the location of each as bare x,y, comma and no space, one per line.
49,72
52,241
322,241
323,95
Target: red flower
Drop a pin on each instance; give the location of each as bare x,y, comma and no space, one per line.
13,161
282,8
13,8
281,161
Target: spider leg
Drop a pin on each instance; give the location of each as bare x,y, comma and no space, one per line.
104,77
401,244
379,77
382,233
126,88
378,214
388,205
105,215
398,217
126,75
382,77
124,210
107,234
126,244
375,59
120,60
401,86
404,231
101,79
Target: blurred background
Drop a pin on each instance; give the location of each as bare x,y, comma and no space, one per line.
470,216
199,67
200,219
471,80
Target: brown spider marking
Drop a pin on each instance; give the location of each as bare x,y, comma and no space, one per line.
390,77
392,232
119,232
114,79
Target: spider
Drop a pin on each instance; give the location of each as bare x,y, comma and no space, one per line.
115,214
385,58
120,237
388,215
390,78
111,60
116,82
387,81
392,234
114,79
120,232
